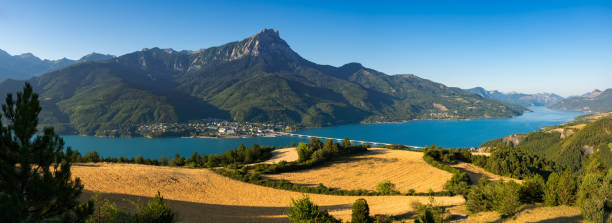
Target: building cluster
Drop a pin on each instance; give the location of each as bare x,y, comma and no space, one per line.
212,128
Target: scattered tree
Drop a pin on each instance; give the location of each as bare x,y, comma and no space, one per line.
361,212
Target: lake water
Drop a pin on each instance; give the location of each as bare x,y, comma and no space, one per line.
463,133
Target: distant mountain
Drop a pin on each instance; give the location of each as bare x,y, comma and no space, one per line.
257,79
539,99
24,66
595,101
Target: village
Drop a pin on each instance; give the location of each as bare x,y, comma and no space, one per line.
213,128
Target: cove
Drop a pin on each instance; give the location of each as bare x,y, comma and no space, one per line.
446,133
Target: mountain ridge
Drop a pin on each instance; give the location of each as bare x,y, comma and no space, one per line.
259,78
27,65
522,99
596,101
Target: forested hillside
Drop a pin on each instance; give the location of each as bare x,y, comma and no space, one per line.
257,79
569,144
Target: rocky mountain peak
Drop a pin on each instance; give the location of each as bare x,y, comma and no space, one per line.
267,41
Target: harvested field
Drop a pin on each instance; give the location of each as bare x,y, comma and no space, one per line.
286,154
406,169
533,214
200,195
476,173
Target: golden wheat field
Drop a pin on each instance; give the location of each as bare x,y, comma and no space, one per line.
476,173
406,169
200,195
285,154
532,213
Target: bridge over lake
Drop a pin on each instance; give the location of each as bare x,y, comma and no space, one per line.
340,140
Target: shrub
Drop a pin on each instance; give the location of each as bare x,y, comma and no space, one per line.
386,187
458,184
429,213
304,152
502,197
507,201
304,211
156,211
361,212
532,189
91,156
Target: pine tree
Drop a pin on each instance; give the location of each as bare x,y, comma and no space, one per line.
35,179
361,212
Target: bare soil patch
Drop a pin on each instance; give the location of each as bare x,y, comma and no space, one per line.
200,195
406,169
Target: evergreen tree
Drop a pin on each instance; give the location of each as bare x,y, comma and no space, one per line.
594,190
566,188
361,212
550,191
35,179
346,143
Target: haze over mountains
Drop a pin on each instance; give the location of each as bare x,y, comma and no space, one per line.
257,79
595,101
24,66
526,100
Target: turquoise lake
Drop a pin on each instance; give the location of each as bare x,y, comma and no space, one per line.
462,133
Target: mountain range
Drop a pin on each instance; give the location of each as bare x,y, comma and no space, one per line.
526,100
596,101
259,79
24,66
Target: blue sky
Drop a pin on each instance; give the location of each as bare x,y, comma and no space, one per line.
563,47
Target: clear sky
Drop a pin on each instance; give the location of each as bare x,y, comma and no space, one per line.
563,47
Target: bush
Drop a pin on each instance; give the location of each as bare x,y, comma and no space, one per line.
499,196
429,213
458,184
304,152
304,211
507,199
91,156
156,211
532,190
386,187
361,212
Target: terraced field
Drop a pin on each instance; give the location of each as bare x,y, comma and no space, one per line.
406,169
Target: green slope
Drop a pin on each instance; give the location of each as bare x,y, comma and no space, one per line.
257,79
570,148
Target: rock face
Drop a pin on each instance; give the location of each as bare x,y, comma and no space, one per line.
596,102
259,79
526,100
